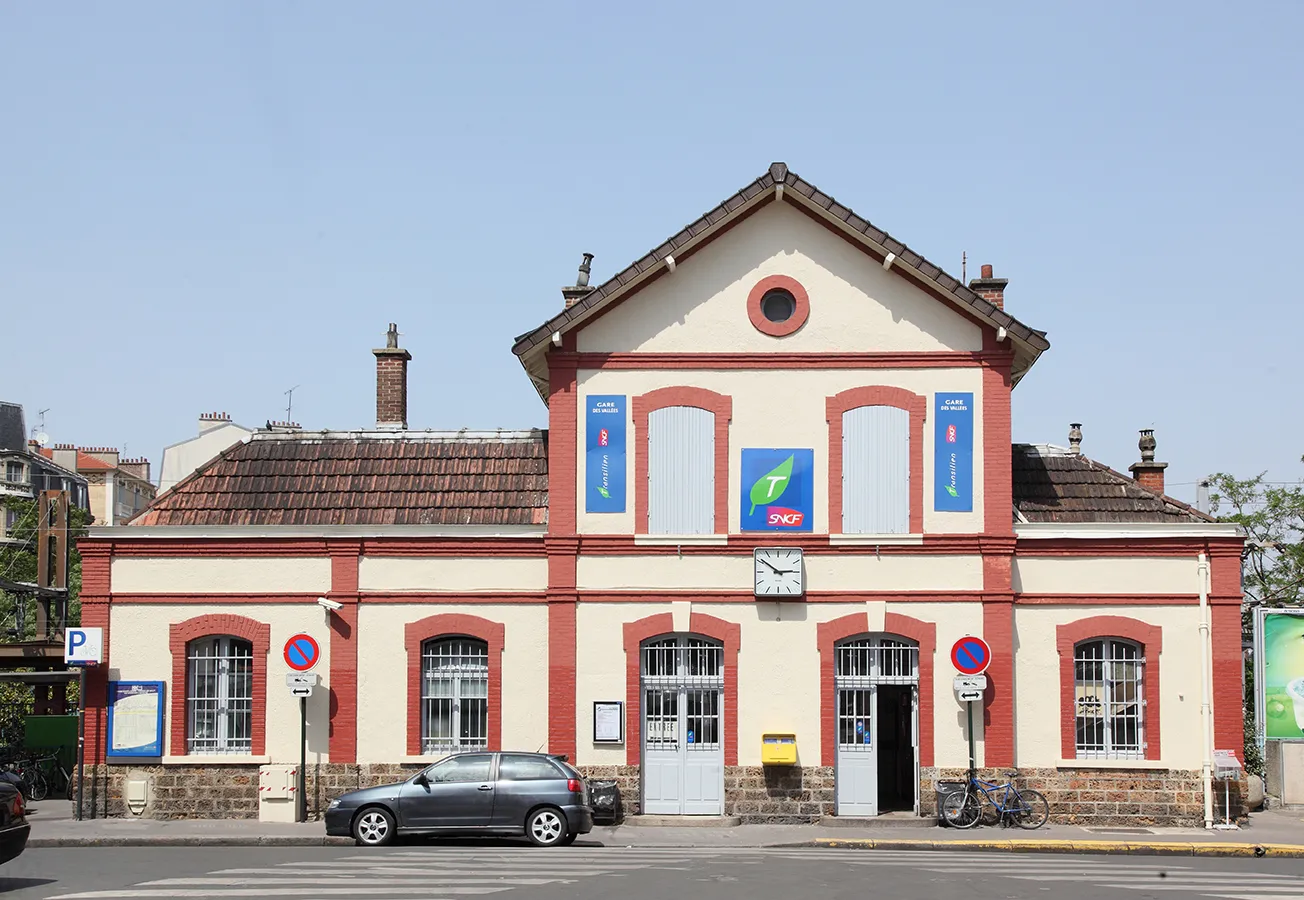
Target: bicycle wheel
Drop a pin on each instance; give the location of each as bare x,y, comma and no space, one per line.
961,809
39,786
1032,810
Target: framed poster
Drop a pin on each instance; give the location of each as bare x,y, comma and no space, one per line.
953,453
604,453
608,722
1279,673
135,721
778,490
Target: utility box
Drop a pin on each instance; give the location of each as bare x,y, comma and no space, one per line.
276,789
778,749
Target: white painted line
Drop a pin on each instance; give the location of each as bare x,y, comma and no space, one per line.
271,892
290,882
1194,889
434,870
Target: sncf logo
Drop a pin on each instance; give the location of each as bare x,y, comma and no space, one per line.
950,434
603,437
783,517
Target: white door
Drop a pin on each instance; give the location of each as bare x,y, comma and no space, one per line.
862,664
683,727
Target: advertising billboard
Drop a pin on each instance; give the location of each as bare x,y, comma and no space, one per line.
604,454
778,490
1280,673
953,453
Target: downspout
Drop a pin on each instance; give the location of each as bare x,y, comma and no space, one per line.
1206,705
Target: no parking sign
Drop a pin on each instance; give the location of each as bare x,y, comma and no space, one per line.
302,652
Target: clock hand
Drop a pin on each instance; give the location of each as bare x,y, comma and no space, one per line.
774,570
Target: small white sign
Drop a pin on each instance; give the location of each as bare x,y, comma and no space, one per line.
1225,759
301,679
83,646
970,696
301,690
970,683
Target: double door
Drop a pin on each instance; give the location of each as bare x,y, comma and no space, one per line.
876,681
683,727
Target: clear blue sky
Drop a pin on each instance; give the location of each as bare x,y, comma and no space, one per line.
203,204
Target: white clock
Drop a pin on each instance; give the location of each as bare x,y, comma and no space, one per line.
779,572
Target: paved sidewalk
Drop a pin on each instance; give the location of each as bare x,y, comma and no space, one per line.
1276,833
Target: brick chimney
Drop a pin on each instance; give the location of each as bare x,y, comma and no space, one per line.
138,467
391,383
990,289
209,421
1148,473
578,291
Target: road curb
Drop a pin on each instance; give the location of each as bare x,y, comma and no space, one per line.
190,841
1115,848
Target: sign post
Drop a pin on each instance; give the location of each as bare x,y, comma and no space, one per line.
971,656
302,652
82,647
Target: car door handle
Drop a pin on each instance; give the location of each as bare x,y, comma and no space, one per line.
485,787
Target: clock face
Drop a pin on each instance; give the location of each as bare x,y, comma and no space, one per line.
778,572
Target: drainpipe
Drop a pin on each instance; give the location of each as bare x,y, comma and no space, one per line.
1206,706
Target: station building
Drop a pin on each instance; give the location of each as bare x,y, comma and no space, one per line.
778,484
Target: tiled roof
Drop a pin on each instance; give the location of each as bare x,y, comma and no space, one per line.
365,478
1053,485
85,462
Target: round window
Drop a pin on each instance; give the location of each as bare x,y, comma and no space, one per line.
778,305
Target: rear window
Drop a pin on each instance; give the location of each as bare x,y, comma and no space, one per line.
571,771
527,768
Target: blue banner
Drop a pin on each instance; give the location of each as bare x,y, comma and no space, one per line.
953,453
604,442
778,490
135,720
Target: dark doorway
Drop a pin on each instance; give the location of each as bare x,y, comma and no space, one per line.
896,748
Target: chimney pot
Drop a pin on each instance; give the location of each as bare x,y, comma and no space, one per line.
1148,473
1075,438
987,270
578,291
990,289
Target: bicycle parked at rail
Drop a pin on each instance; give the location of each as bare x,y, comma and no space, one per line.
1025,807
50,778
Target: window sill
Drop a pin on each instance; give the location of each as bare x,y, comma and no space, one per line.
876,540
682,540
216,759
1112,764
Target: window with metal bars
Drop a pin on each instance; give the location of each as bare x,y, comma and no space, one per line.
1108,699
454,695
220,696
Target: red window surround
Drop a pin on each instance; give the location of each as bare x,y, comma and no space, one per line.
452,625
799,315
718,404
876,395
1151,641
829,633
259,634
650,627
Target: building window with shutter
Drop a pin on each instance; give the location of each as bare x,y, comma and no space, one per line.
681,471
219,700
876,470
1109,700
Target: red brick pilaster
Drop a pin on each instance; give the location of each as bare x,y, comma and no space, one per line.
998,473
259,634
561,676
96,567
876,395
1228,661
700,398
1151,640
454,625
562,548
344,652
998,631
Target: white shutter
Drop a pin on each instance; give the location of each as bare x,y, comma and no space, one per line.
681,471
875,471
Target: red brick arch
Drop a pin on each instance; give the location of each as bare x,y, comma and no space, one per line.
1149,637
830,633
181,634
718,404
645,629
876,395
453,625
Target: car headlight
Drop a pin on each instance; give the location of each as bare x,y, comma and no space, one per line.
334,803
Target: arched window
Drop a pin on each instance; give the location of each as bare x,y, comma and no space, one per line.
1109,699
454,695
219,695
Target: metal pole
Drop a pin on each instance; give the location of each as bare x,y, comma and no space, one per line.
973,760
303,759
81,739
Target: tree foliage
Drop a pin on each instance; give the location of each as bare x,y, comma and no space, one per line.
1273,518
18,563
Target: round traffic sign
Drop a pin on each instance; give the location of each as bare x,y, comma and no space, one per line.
302,652
971,655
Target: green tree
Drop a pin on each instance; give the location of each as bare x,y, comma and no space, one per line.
18,563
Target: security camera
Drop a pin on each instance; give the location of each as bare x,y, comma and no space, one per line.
329,604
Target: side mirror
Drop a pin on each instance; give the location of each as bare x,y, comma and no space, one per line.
421,779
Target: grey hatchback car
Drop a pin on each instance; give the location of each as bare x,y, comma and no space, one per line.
534,794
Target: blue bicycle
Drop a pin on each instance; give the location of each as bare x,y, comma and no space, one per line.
1025,808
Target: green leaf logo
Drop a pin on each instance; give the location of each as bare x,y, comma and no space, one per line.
950,490
770,486
606,495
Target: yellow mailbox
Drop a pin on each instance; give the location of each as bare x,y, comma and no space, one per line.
778,749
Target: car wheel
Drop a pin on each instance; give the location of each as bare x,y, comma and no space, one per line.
373,827
546,827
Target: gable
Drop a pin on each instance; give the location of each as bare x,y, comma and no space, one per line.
856,305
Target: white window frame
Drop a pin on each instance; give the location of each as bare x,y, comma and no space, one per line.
1098,696
229,698
454,674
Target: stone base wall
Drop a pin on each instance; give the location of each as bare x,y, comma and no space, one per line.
777,795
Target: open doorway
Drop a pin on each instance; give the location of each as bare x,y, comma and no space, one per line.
896,748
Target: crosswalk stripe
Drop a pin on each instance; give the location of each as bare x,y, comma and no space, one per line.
241,882
435,870
1194,889
415,890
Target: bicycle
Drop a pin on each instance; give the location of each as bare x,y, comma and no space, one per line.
32,782
51,774
1025,808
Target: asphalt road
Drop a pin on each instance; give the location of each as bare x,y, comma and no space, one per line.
506,871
